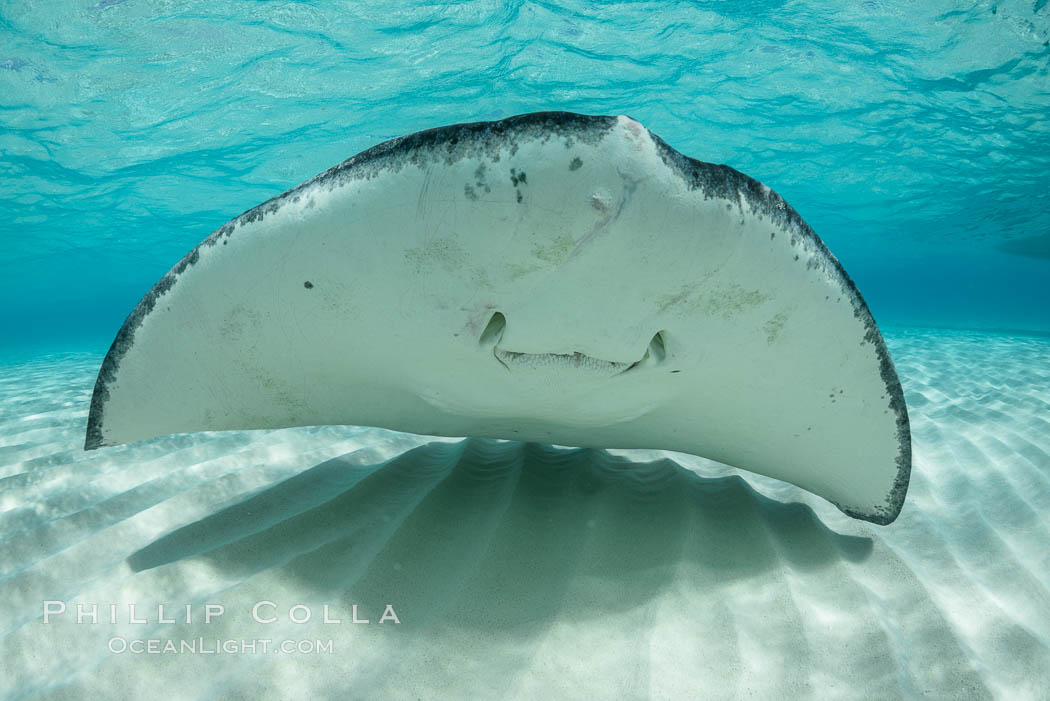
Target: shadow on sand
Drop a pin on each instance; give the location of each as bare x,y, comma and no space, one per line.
485,529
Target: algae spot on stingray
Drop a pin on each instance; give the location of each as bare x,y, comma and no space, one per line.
774,326
557,251
444,252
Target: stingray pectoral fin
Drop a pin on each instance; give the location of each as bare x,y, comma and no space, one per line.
550,277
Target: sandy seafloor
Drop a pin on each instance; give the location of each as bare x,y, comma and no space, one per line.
524,571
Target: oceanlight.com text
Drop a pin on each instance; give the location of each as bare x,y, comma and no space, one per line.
119,645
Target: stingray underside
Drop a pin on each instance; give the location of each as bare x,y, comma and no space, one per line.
551,277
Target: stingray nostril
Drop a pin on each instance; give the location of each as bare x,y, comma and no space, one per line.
655,354
493,330
657,348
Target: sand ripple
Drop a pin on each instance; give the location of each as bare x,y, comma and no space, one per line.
527,571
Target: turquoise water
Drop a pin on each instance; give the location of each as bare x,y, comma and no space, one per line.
914,138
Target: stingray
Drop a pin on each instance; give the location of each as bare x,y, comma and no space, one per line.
550,277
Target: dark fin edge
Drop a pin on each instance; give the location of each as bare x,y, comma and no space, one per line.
724,181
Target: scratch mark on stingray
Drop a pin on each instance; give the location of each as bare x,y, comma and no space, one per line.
607,217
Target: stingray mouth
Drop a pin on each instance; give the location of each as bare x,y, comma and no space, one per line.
655,354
